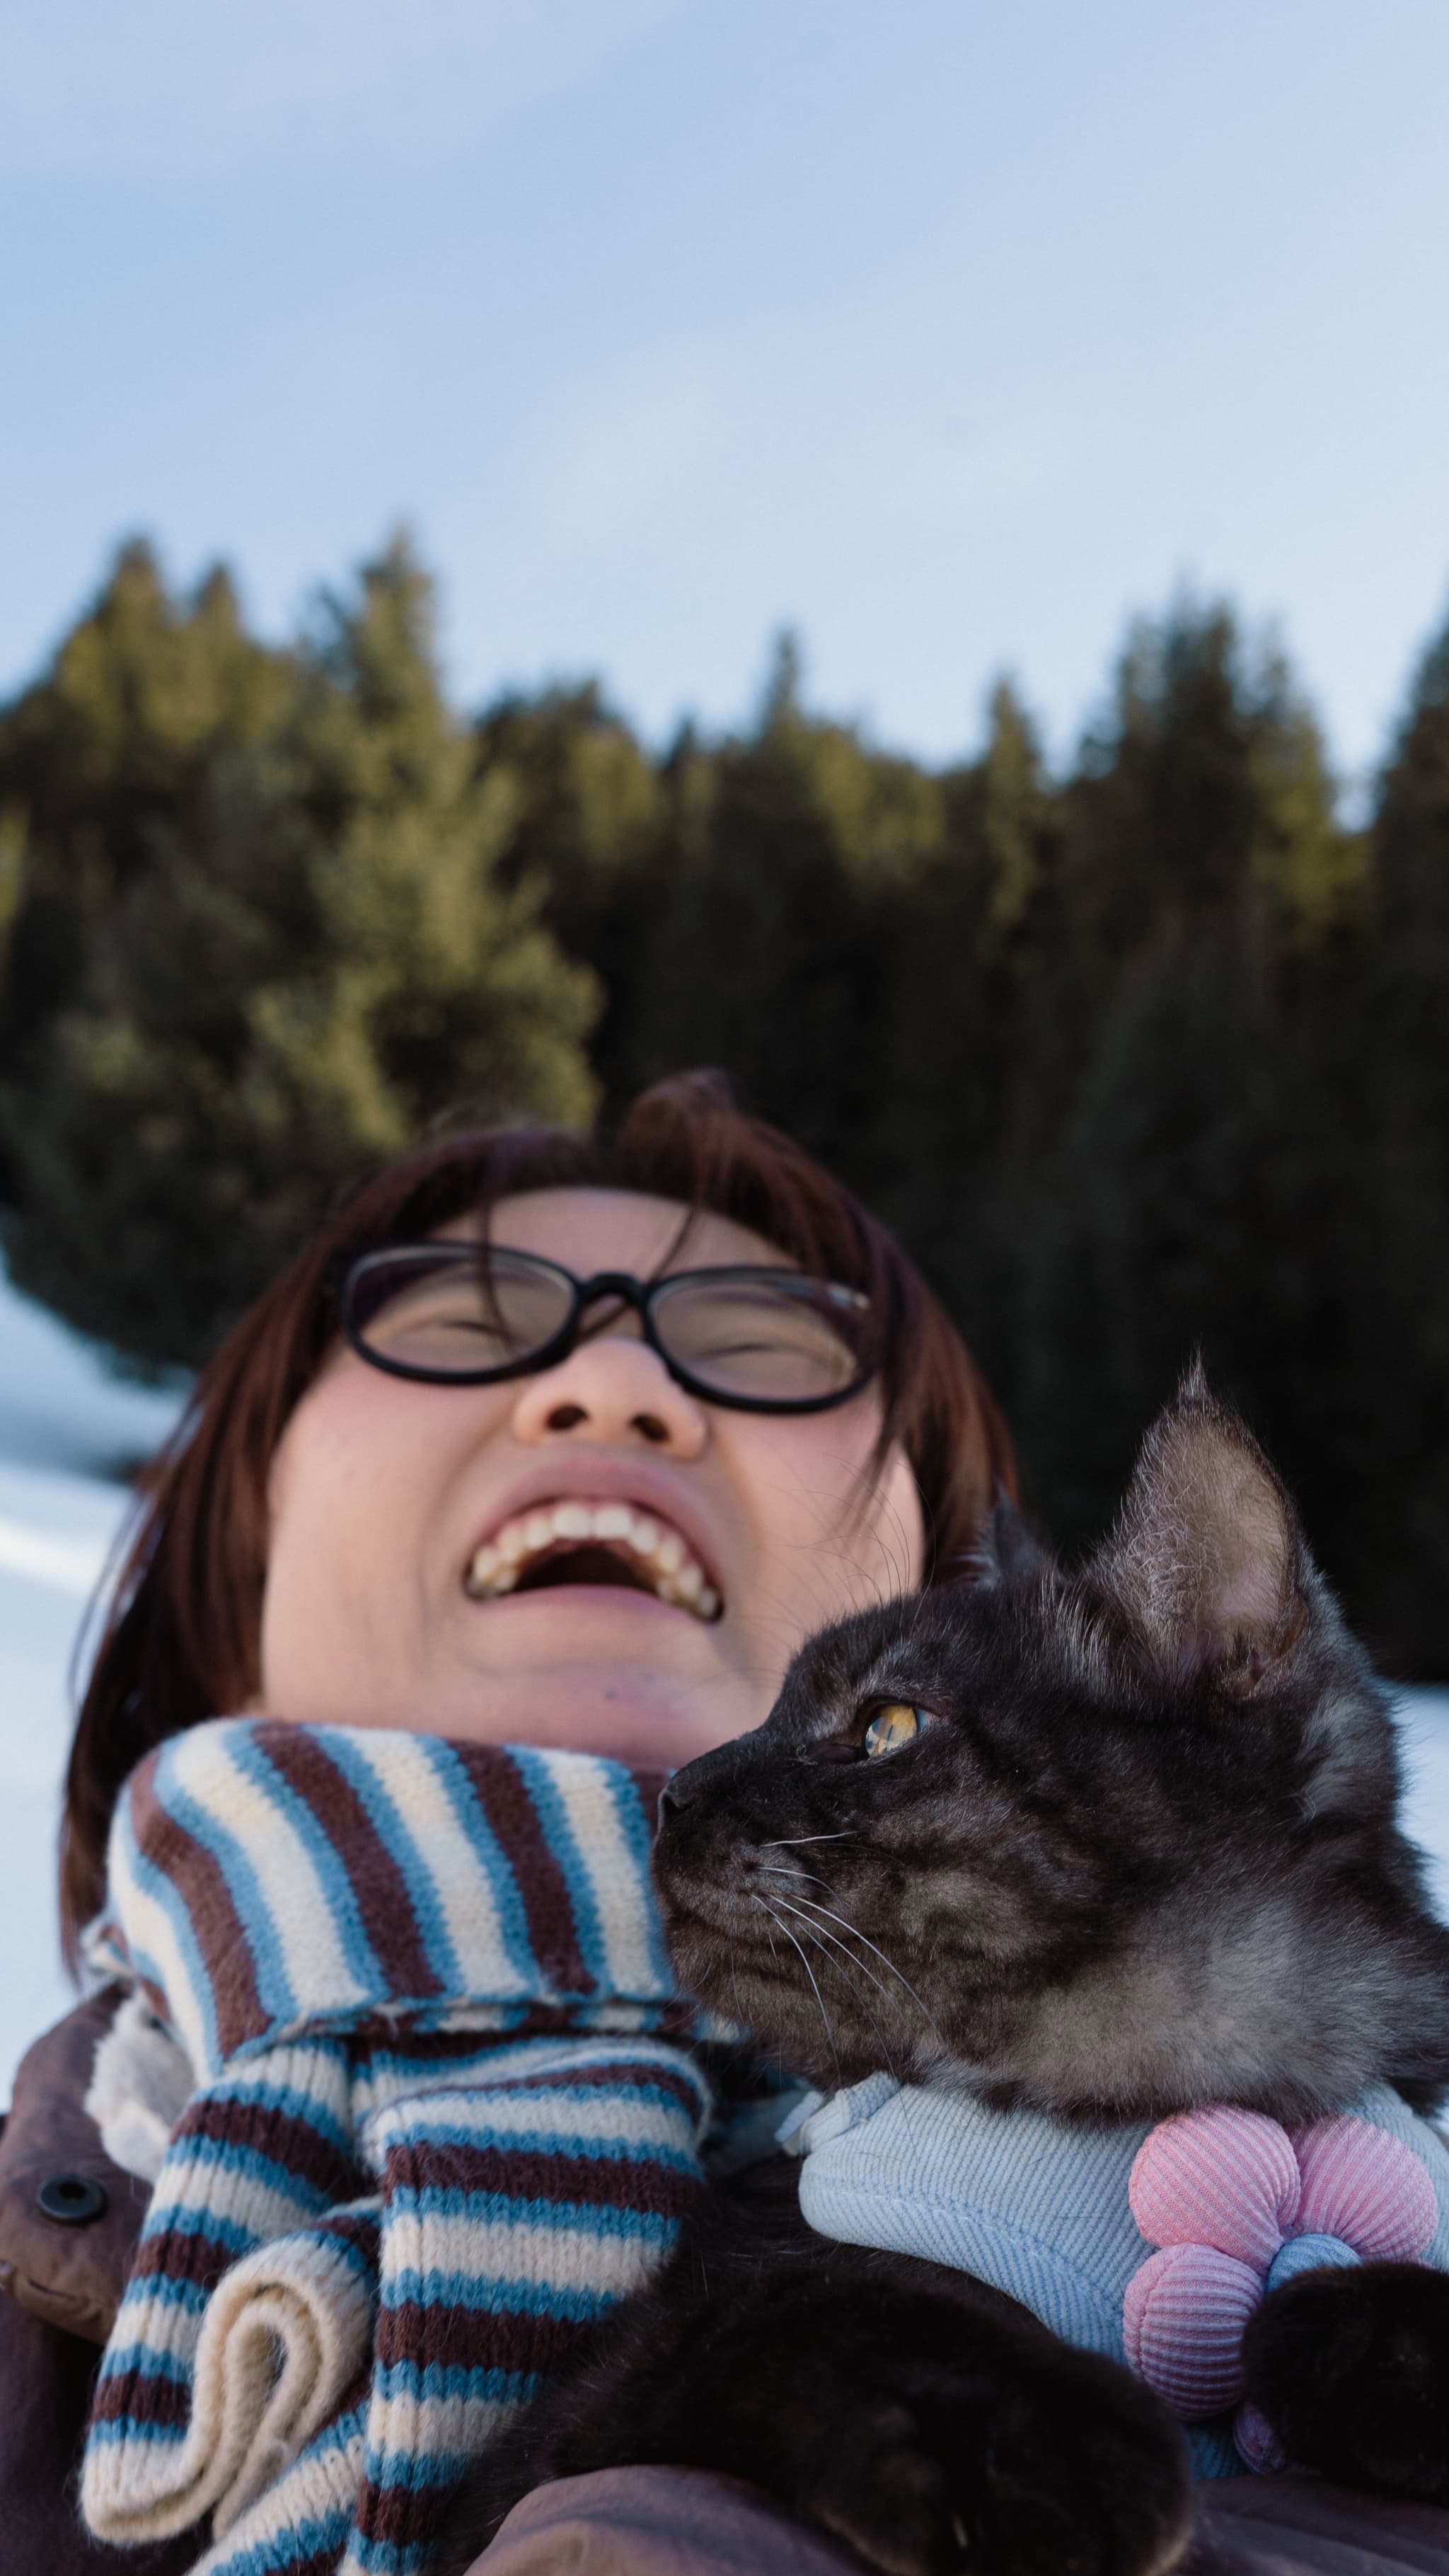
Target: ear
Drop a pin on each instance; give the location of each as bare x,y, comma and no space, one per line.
1206,1562
1005,1552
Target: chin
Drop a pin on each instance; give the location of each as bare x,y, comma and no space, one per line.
656,1712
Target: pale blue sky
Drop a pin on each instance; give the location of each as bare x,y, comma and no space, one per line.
949,331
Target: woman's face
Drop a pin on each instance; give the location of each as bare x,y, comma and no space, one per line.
385,1491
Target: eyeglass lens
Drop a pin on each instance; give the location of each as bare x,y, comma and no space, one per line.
785,1340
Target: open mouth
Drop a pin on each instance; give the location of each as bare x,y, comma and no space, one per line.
578,1542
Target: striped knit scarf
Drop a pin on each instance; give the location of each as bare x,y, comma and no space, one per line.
439,2125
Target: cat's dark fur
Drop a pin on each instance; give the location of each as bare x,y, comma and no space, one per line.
1143,1855
1146,1854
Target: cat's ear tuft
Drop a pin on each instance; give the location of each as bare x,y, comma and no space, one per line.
1192,1386
1206,1561
1005,1552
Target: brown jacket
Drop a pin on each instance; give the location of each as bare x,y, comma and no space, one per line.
69,2220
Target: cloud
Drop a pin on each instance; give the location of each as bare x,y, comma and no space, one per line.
194,88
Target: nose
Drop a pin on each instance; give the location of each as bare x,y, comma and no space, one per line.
615,1391
695,1779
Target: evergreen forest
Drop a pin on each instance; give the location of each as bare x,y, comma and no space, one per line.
1148,1055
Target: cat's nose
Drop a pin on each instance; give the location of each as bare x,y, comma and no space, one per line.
694,1778
676,1794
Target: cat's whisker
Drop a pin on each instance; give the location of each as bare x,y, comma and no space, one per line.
819,1933
797,1877
815,1934
810,1973
788,1842
857,1935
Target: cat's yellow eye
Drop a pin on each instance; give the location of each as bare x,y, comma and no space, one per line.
891,1727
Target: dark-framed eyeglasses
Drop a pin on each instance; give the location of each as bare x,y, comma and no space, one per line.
759,1340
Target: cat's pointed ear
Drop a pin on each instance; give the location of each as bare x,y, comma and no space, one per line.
1206,1562
1005,1552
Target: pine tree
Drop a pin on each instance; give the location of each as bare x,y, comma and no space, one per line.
590,830
1149,1057
963,1044
795,851
260,940
1396,1379
1183,1190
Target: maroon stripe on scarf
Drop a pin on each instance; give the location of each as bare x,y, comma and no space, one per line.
381,2037
197,1877
477,2338
146,2400
299,1755
194,2256
503,1795
622,2076
398,2518
300,2152
511,2174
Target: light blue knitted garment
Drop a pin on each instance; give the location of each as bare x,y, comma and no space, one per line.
1021,2201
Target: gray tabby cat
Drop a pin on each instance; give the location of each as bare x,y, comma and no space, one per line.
1111,1844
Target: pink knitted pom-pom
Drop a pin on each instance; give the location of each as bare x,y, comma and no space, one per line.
1367,2187
1183,2315
1227,2179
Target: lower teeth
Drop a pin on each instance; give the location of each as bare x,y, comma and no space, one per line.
704,1603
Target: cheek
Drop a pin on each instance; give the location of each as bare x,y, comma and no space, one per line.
359,1482
817,1502
327,1483
327,1535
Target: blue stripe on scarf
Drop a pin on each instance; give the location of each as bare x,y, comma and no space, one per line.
503,1885
128,2430
147,2364
638,1835
382,1814
558,2217
478,2136
235,2156
558,1833
443,2382
284,2100
166,1896
160,2290
386,2559
317,2540
492,2296
322,1851
202,2225
274,1986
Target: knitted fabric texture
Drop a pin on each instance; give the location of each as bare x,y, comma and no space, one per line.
440,2125
1236,2206
1066,2219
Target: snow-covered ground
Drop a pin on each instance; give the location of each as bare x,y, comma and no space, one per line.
68,1430
64,1421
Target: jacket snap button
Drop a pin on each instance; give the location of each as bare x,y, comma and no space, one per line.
73,2200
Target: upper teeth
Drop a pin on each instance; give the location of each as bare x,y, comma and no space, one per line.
672,1567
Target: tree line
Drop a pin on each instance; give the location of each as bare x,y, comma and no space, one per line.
1149,1055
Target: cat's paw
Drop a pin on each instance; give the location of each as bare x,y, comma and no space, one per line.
1061,2468
1351,2369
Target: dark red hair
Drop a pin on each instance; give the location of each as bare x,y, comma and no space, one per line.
181,1639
